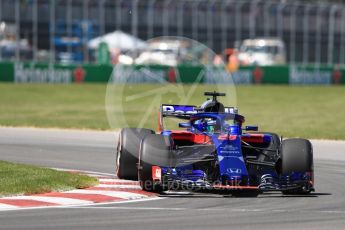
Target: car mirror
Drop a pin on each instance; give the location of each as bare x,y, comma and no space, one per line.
251,128
184,125
211,123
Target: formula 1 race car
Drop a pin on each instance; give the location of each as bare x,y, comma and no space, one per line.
212,150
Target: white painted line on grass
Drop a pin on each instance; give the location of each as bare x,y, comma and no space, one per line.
85,172
105,180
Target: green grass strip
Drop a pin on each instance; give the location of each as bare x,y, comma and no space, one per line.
292,111
20,179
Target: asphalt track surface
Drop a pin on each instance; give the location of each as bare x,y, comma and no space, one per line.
94,151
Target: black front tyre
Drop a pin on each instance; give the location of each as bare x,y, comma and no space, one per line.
155,150
128,152
274,145
297,156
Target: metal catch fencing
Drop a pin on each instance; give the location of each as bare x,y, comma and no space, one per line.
313,32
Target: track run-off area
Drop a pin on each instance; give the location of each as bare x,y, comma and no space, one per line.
95,151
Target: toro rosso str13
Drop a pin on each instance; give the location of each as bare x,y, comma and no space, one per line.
213,150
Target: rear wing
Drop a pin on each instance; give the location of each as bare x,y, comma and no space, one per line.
185,111
178,111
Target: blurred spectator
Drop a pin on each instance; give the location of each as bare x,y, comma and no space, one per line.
232,64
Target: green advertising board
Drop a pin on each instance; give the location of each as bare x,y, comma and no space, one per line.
46,73
6,72
66,74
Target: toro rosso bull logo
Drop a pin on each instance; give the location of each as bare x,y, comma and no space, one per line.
234,170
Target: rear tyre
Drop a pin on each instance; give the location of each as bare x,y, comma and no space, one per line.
155,150
128,152
297,156
274,145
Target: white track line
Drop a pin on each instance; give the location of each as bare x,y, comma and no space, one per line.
118,186
104,180
271,211
138,208
54,200
7,206
82,205
116,194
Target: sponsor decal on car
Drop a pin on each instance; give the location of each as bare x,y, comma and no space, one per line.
156,173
